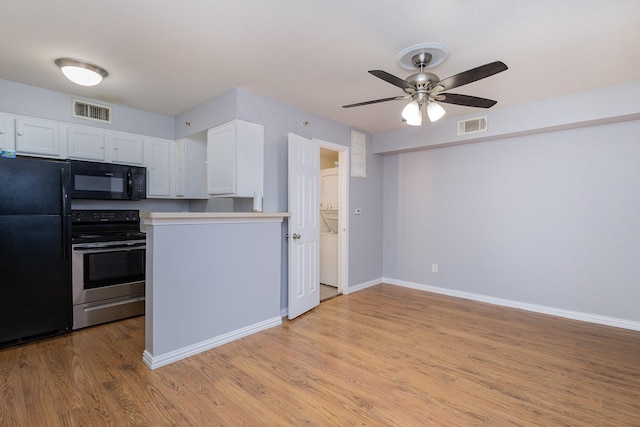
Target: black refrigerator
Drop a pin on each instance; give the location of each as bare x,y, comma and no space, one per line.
35,250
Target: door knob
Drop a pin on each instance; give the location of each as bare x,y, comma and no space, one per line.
296,236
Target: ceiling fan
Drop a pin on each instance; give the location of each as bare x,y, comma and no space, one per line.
424,89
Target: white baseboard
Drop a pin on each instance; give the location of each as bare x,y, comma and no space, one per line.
575,315
361,286
157,361
348,290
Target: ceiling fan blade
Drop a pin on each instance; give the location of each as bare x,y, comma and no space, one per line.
375,101
472,75
390,78
467,100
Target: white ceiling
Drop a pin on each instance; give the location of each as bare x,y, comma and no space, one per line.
167,57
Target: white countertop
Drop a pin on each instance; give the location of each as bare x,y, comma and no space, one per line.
152,218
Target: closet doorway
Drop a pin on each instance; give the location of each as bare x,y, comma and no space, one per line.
332,220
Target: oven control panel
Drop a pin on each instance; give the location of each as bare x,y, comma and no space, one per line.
105,216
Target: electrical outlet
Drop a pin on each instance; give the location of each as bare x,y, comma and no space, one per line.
357,211
434,268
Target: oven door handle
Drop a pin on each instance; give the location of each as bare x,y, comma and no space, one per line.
109,248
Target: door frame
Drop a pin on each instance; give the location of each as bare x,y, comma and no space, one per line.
343,212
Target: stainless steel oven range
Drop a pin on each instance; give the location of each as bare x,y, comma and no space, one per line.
108,266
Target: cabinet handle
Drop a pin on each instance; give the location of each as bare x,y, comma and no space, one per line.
19,133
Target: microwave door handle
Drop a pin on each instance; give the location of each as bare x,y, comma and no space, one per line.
129,184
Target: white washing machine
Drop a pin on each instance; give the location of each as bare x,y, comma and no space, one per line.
329,259
329,247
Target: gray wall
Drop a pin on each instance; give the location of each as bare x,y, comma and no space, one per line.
604,105
365,236
18,98
549,219
365,244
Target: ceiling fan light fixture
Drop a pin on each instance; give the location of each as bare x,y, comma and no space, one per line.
81,72
415,121
412,114
435,111
411,110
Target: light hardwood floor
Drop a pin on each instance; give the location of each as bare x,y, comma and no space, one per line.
382,356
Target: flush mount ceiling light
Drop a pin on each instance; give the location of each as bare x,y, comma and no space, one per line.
81,72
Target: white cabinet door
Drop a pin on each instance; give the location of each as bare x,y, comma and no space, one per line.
180,177
235,159
190,169
38,137
85,143
221,159
7,133
125,148
157,157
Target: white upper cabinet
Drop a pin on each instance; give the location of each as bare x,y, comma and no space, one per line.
125,148
7,133
38,137
158,160
190,169
175,169
88,143
85,143
235,159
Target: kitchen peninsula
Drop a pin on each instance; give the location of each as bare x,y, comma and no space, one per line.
211,278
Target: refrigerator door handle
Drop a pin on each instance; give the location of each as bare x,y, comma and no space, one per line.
64,216
65,238
63,186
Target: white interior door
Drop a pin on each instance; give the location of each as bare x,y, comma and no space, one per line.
304,226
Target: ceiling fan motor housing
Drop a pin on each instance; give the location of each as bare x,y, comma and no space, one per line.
422,59
422,79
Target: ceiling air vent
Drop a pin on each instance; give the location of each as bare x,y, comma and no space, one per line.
477,124
89,111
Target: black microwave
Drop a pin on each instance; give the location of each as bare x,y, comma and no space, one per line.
107,181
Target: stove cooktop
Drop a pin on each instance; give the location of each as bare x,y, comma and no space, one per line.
105,225
107,237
